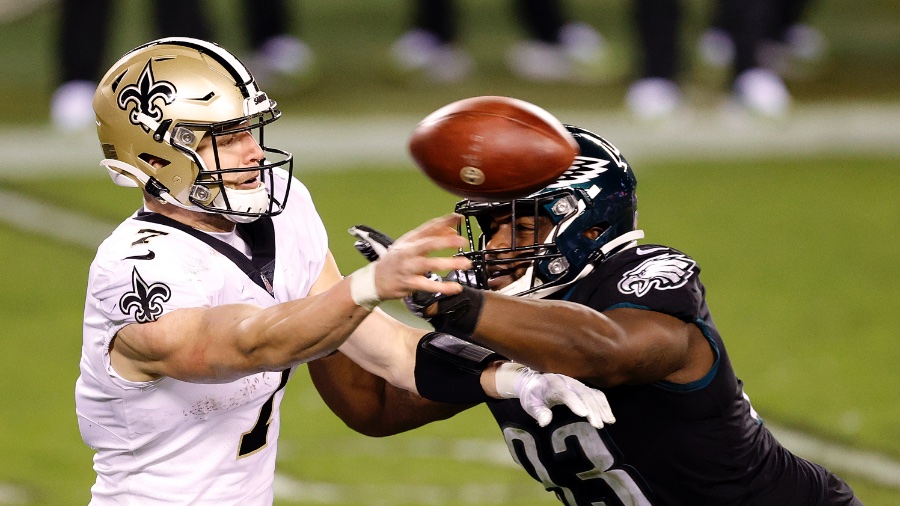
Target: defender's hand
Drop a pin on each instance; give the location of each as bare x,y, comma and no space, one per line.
538,392
427,304
370,242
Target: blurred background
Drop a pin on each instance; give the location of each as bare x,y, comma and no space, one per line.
782,185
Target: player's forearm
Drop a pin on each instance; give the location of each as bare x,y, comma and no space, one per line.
551,336
367,403
300,330
386,348
622,346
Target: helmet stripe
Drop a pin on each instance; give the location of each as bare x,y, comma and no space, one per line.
232,64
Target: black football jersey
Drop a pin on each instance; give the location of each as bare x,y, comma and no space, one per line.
672,444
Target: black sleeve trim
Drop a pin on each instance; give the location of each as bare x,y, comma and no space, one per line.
458,314
448,369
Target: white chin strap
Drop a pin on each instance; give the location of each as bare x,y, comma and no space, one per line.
249,201
524,283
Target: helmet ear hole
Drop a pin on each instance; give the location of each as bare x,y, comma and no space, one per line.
153,160
595,231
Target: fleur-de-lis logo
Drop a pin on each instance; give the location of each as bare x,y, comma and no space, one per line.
143,94
145,300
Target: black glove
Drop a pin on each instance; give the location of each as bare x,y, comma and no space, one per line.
419,301
370,242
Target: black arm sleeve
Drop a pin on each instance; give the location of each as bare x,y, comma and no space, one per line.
448,369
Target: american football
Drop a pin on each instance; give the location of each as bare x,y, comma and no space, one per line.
492,148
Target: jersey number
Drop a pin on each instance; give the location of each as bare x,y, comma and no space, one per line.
581,434
258,437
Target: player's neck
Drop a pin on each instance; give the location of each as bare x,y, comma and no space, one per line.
206,222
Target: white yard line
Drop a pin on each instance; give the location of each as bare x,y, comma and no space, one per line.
56,223
11,494
12,10
321,143
842,460
875,467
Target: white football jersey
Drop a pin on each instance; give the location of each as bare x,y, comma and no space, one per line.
168,441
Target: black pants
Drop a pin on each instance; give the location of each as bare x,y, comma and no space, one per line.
84,34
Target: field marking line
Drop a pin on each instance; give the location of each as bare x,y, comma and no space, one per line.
12,10
290,489
12,494
53,222
325,143
842,460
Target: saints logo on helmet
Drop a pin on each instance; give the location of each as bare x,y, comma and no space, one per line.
596,193
142,95
160,100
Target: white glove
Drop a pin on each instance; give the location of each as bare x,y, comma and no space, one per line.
538,392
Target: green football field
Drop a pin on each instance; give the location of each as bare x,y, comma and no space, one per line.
796,257
799,255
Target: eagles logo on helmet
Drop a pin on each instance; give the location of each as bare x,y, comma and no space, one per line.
598,190
160,100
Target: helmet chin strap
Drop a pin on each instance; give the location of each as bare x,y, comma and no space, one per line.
255,200
524,283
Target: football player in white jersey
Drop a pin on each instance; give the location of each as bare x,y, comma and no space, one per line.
201,304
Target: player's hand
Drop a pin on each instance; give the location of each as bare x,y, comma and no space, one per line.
538,392
404,266
372,244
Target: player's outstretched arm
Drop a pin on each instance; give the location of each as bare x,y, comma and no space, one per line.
370,405
439,367
223,343
617,347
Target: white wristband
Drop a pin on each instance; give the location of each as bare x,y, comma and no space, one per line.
506,376
362,287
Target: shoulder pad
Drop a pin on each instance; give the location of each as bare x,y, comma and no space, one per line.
652,277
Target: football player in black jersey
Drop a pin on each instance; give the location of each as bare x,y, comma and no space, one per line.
560,284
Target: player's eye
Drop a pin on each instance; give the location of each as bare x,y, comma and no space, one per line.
525,225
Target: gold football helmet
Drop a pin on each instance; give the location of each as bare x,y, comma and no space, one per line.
157,103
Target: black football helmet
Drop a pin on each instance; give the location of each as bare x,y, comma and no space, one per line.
598,190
